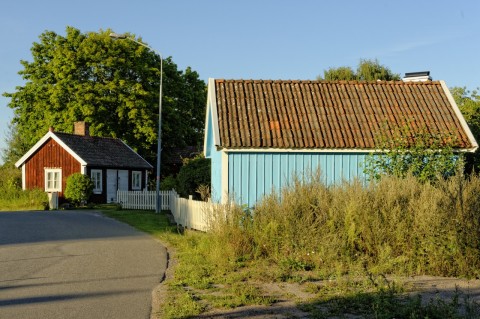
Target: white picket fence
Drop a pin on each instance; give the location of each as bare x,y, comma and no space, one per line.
143,199
186,212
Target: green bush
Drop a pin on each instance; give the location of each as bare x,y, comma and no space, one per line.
79,188
194,172
425,155
10,179
168,183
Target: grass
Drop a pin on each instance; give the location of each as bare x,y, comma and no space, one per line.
18,200
195,286
12,197
155,224
385,301
335,243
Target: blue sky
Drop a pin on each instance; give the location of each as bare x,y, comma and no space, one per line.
262,39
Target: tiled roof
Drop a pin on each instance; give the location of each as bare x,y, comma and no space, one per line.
330,115
102,151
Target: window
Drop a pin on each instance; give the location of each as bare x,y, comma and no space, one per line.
53,179
96,177
136,180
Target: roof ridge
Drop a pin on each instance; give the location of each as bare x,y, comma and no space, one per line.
89,136
391,82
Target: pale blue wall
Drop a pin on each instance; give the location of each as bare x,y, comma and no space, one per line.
216,158
251,175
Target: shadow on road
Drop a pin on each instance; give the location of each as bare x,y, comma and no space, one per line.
64,297
71,282
33,227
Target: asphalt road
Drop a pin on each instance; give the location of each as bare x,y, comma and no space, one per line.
76,264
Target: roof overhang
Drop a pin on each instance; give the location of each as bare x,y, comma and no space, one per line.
211,111
319,150
41,142
460,117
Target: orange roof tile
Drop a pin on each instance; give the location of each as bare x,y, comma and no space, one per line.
330,114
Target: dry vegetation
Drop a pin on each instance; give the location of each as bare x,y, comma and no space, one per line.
351,235
395,225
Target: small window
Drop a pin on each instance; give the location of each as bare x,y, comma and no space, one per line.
96,177
53,179
136,180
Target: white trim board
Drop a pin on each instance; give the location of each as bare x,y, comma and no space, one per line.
459,115
42,141
317,150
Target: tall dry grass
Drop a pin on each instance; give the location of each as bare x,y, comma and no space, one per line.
394,225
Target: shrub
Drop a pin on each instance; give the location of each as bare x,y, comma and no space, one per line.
10,178
194,172
79,188
423,154
168,183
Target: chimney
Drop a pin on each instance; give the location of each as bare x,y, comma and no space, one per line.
81,128
422,76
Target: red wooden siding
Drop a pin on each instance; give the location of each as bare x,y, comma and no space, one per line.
50,155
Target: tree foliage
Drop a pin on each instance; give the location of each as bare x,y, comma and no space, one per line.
469,104
16,146
79,188
422,154
194,172
10,178
113,85
367,70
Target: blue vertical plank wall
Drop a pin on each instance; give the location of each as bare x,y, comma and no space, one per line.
216,162
216,175
251,175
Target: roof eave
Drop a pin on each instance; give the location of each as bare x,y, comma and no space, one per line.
460,117
211,111
318,150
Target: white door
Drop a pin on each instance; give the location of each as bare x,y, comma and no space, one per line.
116,180
122,180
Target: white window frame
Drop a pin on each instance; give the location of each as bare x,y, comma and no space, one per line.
136,180
54,184
99,182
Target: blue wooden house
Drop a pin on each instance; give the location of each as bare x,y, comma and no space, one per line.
259,133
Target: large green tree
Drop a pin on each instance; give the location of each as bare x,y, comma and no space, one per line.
469,104
367,70
113,85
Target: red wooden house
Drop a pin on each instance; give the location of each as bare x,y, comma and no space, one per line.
111,164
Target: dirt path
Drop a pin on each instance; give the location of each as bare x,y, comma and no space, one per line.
291,294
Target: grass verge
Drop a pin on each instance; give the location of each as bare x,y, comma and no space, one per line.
18,199
205,281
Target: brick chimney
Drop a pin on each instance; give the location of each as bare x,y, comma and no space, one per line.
81,128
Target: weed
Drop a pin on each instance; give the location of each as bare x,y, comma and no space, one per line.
17,199
311,232
182,303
